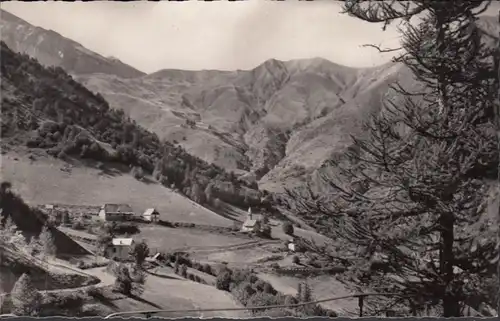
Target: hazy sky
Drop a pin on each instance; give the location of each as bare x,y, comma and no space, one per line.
211,35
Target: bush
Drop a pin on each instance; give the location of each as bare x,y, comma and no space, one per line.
183,271
223,281
288,228
207,269
296,259
266,231
78,225
124,228
262,299
137,172
290,300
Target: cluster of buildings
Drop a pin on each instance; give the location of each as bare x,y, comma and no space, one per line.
106,212
119,247
123,212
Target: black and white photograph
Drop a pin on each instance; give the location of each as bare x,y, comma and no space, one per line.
247,159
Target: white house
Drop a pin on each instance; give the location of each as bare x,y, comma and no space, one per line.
120,249
151,215
116,212
252,223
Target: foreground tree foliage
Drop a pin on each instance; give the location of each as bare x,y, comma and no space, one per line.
410,209
48,246
25,297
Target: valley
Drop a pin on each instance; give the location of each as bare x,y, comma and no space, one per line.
124,191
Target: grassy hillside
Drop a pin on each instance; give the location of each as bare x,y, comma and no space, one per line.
45,180
280,118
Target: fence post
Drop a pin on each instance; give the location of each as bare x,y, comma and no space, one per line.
360,304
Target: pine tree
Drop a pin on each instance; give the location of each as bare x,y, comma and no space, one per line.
123,282
139,253
424,161
304,295
34,246
9,228
129,280
25,297
47,242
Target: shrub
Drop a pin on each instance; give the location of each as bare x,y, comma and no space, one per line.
266,231
78,225
129,280
223,281
288,228
296,259
139,253
208,269
137,172
268,288
290,300
183,271
124,228
262,299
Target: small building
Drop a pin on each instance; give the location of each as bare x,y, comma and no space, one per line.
151,215
119,249
291,246
252,223
116,212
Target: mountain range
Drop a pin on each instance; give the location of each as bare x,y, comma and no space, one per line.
276,124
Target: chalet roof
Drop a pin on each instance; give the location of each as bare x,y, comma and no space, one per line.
122,241
150,211
118,208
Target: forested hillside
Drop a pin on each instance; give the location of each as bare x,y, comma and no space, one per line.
45,108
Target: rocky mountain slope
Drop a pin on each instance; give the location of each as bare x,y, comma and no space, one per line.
276,123
279,121
52,49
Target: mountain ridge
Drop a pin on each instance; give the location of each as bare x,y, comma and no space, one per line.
277,122
52,49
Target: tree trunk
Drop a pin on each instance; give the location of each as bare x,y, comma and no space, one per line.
451,307
497,123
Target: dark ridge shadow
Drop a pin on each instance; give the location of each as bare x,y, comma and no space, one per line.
137,298
165,276
224,211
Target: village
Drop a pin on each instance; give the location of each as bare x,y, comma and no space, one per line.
80,222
